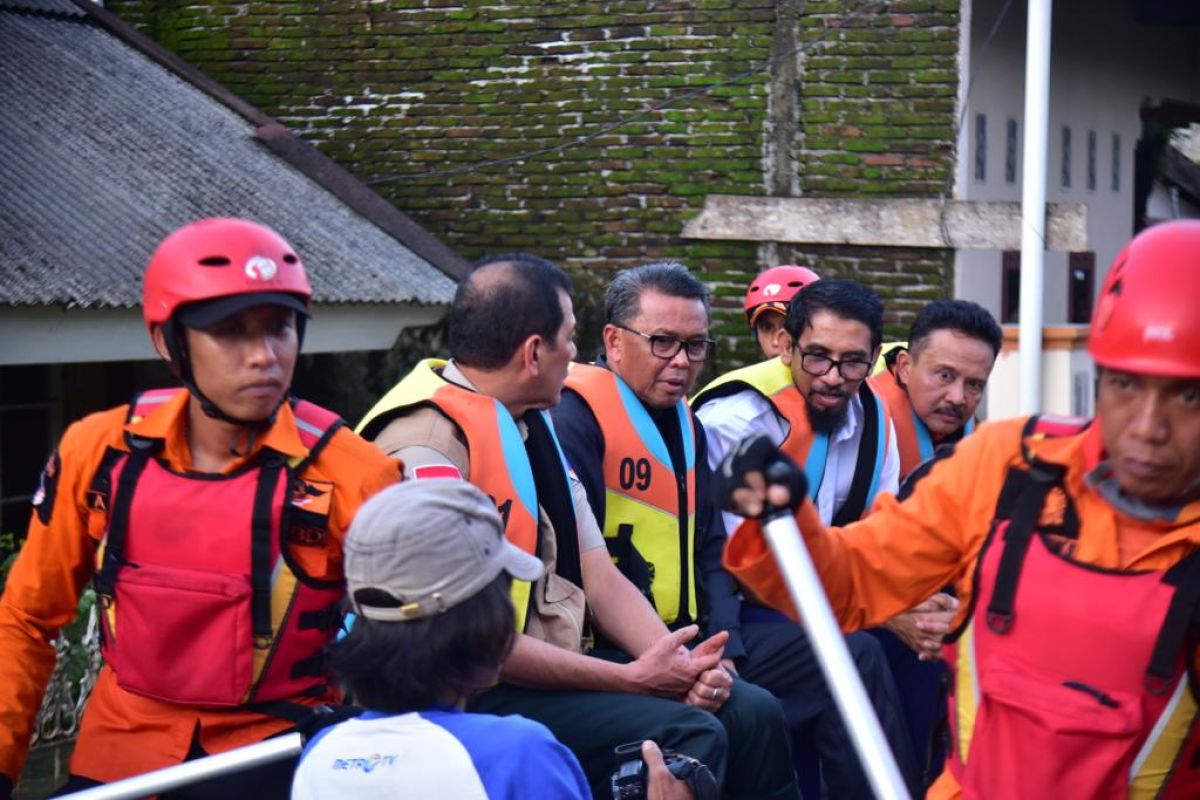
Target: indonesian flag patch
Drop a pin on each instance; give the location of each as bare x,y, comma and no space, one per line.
436,471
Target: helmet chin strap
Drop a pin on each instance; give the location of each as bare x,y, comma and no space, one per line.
181,365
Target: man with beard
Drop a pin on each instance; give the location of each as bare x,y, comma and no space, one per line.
936,383
814,403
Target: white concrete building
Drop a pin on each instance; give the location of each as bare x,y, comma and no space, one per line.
1118,70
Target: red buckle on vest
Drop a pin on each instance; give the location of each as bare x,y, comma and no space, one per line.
1157,685
999,623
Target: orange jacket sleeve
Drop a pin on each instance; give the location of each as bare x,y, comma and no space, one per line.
43,588
901,553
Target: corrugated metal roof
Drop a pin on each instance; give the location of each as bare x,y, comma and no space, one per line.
61,7
103,151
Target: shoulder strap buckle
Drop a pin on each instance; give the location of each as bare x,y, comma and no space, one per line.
1157,685
1000,621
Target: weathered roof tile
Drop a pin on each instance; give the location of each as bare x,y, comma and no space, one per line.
103,151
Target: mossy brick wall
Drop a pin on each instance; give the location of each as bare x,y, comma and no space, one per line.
412,95
877,116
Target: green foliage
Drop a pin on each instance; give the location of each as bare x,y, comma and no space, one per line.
77,658
10,545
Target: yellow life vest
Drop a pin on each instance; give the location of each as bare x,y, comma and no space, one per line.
649,509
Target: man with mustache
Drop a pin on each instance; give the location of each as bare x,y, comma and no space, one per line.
1074,546
936,383
932,388
813,401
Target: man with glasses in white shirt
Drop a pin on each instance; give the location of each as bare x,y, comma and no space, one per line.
814,403
813,400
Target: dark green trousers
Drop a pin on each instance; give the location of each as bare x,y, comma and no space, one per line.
745,744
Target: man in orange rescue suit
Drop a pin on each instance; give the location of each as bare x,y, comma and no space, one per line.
630,437
1075,548
210,520
482,416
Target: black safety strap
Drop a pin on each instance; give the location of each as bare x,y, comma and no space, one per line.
296,713
140,451
1016,482
939,735
630,562
311,667
271,464
1183,614
554,495
1040,479
328,618
864,466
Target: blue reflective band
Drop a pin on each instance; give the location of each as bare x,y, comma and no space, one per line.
814,465
517,461
648,432
881,422
924,440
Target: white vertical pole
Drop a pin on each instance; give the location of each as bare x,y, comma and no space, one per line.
1033,202
808,595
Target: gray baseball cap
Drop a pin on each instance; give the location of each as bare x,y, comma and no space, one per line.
430,544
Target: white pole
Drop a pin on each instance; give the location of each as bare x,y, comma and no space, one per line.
1033,203
164,780
808,595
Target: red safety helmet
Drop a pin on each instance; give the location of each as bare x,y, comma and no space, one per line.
246,263
1147,317
773,288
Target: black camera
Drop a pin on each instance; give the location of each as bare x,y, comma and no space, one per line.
629,778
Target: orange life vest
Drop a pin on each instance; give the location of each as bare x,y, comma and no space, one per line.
773,380
518,476
914,441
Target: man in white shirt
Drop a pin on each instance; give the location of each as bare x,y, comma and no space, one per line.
814,403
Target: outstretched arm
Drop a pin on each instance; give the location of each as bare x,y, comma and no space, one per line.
901,553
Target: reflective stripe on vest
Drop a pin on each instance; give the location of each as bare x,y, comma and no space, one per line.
182,546
773,380
1056,690
643,507
499,463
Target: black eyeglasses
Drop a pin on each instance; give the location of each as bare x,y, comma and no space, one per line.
851,369
667,347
